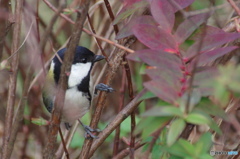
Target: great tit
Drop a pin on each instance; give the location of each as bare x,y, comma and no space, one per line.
80,90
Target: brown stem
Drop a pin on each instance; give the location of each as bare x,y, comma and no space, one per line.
103,95
121,116
4,24
97,40
50,149
13,80
133,121
120,107
110,12
124,153
64,143
235,7
89,32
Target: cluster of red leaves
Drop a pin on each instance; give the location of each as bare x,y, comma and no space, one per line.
174,66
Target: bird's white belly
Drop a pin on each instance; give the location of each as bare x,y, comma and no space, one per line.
75,106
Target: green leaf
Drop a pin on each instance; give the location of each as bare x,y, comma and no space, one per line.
176,128
204,144
148,125
156,151
182,148
198,118
207,106
147,95
39,121
129,10
194,99
163,111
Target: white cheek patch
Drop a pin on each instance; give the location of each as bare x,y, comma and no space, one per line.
78,72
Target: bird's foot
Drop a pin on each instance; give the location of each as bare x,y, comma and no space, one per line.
103,87
89,131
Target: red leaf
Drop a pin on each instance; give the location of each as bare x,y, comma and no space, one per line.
165,76
162,90
209,42
212,55
162,60
155,37
186,28
127,29
163,13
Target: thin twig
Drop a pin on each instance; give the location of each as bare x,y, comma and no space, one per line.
120,107
97,40
130,91
124,153
103,95
66,67
13,80
89,32
235,7
63,143
121,116
110,12
19,115
25,39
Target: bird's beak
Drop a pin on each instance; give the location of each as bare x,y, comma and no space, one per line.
98,58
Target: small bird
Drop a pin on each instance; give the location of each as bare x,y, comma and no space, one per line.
80,89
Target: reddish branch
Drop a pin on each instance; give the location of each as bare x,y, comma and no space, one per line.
97,40
235,7
50,149
13,79
120,107
110,12
4,24
117,60
124,153
121,116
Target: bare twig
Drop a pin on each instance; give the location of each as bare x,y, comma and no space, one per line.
19,115
127,110
63,143
120,107
110,12
124,153
130,91
13,80
4,24
66,67
235,7
89,32
97,40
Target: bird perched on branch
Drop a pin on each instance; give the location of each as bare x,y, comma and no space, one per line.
80,89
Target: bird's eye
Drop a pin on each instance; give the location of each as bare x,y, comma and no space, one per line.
84,60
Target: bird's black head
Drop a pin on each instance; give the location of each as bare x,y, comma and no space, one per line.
82,62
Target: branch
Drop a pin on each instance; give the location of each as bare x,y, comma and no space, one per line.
13,79
120,107
89,32
235,7
121,116
124,153
103,95
50,149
